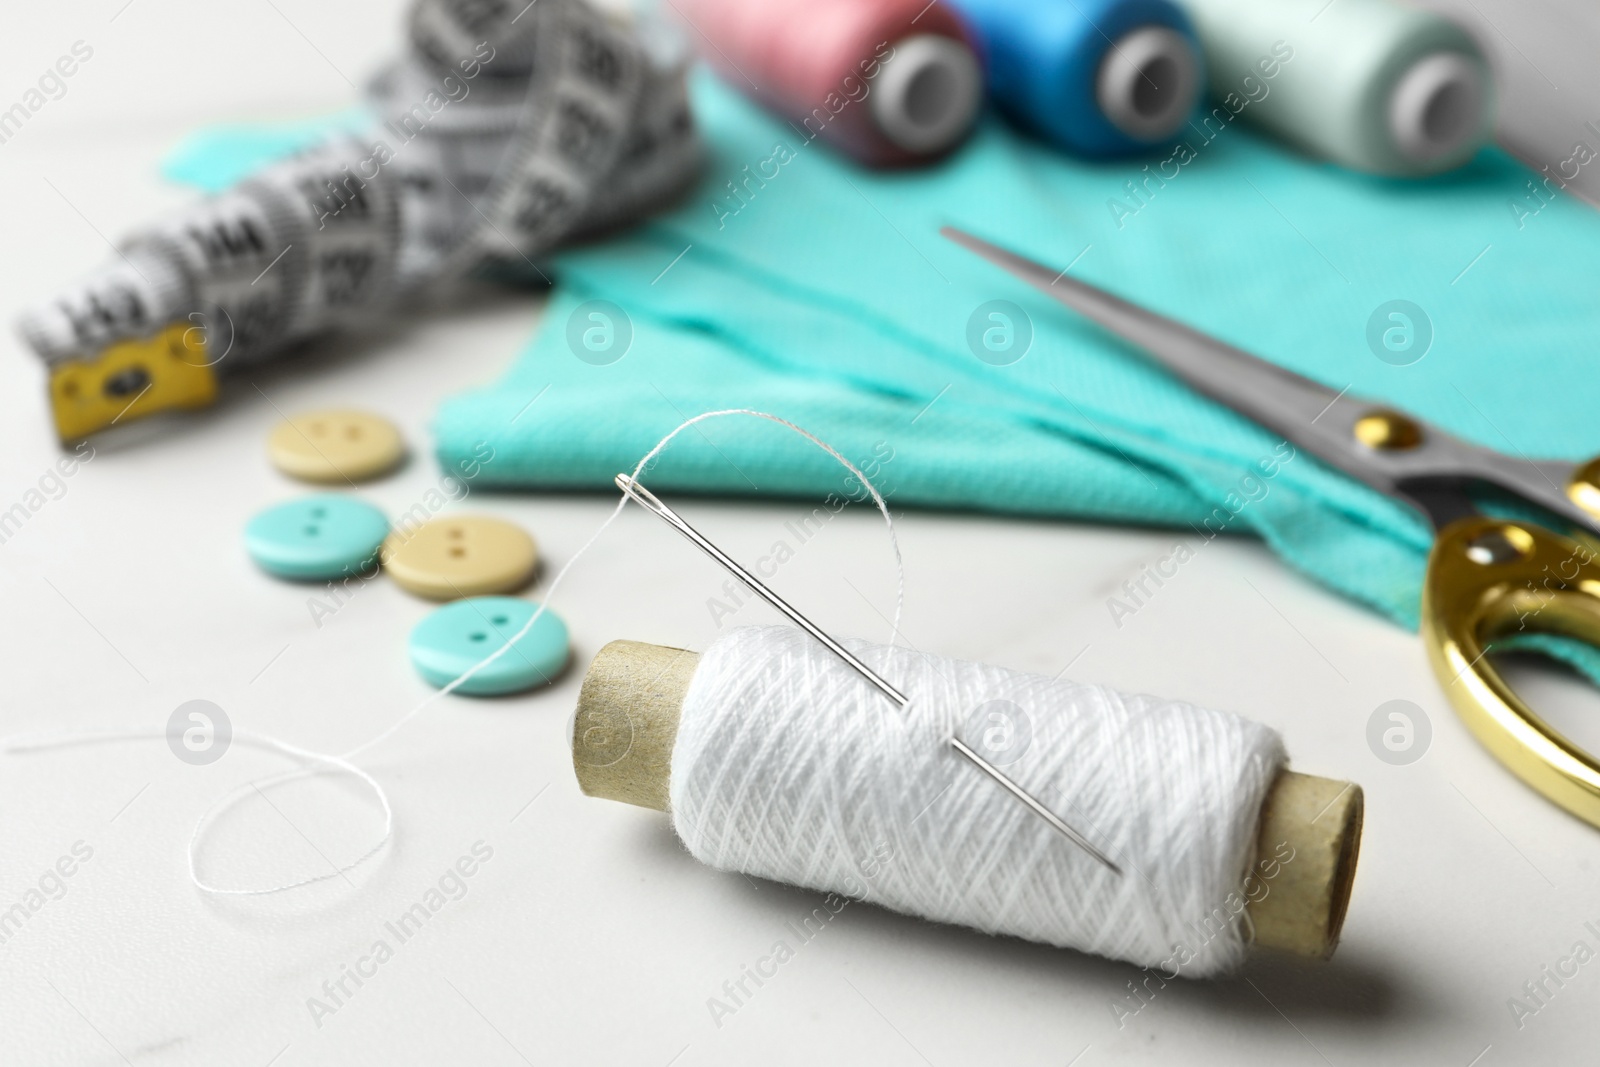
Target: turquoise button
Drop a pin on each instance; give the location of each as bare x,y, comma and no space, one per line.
457,636
317,538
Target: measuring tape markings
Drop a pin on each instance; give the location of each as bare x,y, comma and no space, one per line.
587,76
661,158
128,297
353,250
574,122
226,246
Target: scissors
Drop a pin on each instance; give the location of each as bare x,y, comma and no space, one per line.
1486,577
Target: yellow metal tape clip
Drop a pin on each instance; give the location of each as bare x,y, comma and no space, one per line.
132,379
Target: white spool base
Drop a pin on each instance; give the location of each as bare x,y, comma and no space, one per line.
926,96
1437,106
1148,82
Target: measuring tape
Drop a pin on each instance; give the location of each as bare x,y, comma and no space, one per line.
506,129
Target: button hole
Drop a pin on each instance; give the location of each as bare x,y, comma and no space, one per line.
499,620
312,531
480,637
457,553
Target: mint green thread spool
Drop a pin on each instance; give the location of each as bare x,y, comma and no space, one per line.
1368,84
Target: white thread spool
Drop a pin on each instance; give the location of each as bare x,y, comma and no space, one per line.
1148,82
665,729
1376,85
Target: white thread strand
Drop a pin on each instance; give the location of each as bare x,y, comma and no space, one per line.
314,762
788,765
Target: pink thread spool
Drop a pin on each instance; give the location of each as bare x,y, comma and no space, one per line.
888,82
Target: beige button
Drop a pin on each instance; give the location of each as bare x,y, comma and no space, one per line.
460,556
338,445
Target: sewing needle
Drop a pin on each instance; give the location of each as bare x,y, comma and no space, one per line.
651,503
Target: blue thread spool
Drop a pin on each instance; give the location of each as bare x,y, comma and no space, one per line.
1096,77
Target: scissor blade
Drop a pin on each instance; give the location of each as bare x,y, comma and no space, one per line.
1278,399
1305,413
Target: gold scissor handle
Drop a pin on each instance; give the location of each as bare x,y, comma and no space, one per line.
1490,578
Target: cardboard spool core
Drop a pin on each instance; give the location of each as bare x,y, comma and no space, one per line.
627,722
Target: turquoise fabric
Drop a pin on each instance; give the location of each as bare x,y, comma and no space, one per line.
823,293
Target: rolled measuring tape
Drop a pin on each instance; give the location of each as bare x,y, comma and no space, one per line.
1095,77
887,82
499,136
1370,84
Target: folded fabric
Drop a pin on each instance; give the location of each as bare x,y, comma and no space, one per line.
793,282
